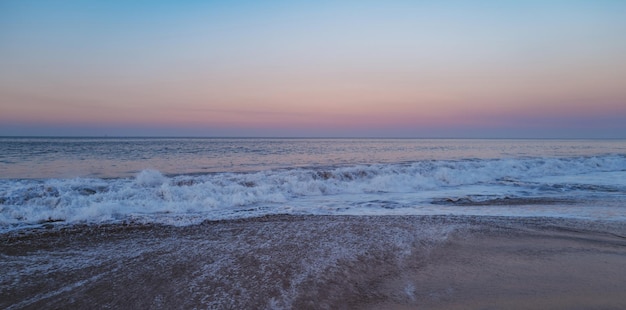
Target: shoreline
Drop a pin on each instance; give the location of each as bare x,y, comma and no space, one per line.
320,262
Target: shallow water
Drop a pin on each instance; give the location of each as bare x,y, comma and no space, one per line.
320,262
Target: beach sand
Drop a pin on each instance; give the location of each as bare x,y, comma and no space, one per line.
320,262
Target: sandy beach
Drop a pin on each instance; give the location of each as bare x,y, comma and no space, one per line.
320,262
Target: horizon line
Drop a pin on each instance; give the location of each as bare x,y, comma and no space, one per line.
299,137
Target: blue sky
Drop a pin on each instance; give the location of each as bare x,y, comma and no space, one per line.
322,68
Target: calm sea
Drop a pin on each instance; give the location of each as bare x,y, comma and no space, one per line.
187,180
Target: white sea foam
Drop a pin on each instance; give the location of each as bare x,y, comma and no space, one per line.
404,188
150,178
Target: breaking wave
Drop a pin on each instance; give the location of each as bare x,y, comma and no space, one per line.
182,199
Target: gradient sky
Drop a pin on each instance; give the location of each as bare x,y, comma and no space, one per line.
314,68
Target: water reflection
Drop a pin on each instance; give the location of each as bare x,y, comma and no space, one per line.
124,157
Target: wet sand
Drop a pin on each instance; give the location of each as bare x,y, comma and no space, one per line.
320,262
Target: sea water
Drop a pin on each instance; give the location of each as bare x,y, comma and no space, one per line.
184,181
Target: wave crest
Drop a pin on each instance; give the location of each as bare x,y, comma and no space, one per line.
151,195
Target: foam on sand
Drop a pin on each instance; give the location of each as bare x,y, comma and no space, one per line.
320,262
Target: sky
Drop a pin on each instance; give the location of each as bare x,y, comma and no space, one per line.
466,69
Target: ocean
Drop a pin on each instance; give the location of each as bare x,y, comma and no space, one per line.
185,223
183,181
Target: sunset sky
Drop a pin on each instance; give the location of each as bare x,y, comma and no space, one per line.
537,69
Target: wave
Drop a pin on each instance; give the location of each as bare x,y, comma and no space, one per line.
481,200
181,199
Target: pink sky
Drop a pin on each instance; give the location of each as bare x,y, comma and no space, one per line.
326,69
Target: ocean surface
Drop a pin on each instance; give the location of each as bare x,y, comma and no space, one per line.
181,181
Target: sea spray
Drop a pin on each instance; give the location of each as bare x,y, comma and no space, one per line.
422,187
